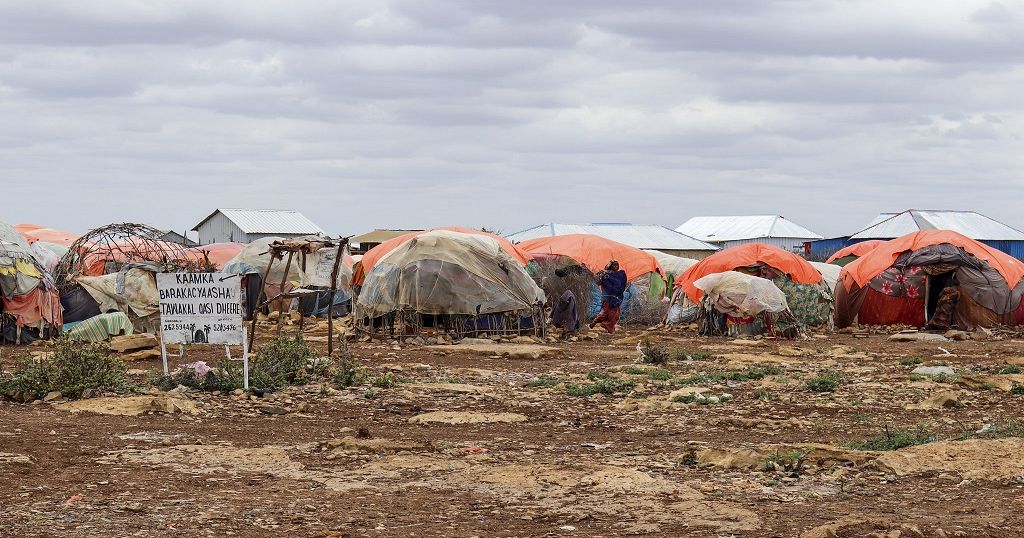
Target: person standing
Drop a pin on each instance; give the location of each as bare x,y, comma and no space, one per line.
944,317
612,281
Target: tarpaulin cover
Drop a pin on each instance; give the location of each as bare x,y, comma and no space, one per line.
20,273
798,269
446,272
35,233
78,305
139,250
856,249
897,293
739,294
371,258
132,291
219,254
673,266
48,254
38,305
871,264
594,252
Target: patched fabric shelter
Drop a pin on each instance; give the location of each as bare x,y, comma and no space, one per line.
808,296
370,258
452,282
899,282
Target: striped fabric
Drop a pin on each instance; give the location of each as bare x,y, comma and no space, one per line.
101,327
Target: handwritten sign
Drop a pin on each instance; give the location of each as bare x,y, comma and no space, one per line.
200,308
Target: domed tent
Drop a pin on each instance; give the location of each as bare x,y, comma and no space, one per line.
673,266
807,295
899,282
29,303
846,255
452,282
593,252
217,255
736,303
370,259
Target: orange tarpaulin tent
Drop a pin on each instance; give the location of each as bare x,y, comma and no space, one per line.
799,270
219,254
856,249
376,253
870,265
594,252
35,233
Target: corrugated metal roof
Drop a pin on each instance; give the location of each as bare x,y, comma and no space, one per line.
968,223
643,236
268,221
744,227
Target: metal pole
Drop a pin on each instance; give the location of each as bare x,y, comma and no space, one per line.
330,295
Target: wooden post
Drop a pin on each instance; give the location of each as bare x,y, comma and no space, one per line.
302,317
330,295
259,298
284,280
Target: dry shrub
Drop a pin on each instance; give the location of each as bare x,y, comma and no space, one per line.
581,283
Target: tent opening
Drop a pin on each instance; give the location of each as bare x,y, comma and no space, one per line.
934,284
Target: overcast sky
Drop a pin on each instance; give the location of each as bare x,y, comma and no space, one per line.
507,114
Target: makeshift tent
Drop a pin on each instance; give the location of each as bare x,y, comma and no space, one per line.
808,297
29,304
847,254
217,255
736,303
371,258
132,291
456,282
310,270
672,266
106,250
647,280
35,233
829,274
899,282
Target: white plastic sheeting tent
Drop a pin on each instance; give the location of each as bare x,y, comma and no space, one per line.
740,294
444,272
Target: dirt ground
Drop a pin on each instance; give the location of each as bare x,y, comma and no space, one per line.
487,441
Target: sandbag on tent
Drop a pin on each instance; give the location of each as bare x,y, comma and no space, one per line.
899,282
453,280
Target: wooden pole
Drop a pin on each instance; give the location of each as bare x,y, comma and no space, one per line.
259,298
330,295
302,317
284,280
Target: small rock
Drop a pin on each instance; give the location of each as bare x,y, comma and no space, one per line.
237,392
964,484
714,399
957,335
932,371
52,395
918,337
272,410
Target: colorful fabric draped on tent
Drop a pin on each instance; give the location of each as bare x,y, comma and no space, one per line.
896,282
808,296
847,254
370,259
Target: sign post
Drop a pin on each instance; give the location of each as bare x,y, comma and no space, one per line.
201,308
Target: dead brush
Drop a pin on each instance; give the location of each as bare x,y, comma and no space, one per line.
581,283
650,353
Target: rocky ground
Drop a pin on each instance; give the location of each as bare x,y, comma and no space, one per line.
728,438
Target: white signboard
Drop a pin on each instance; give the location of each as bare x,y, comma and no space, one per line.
200,308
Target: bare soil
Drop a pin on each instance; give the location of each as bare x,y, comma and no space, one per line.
471,443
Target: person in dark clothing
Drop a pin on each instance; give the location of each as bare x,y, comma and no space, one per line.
945,310
564,314
613,287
